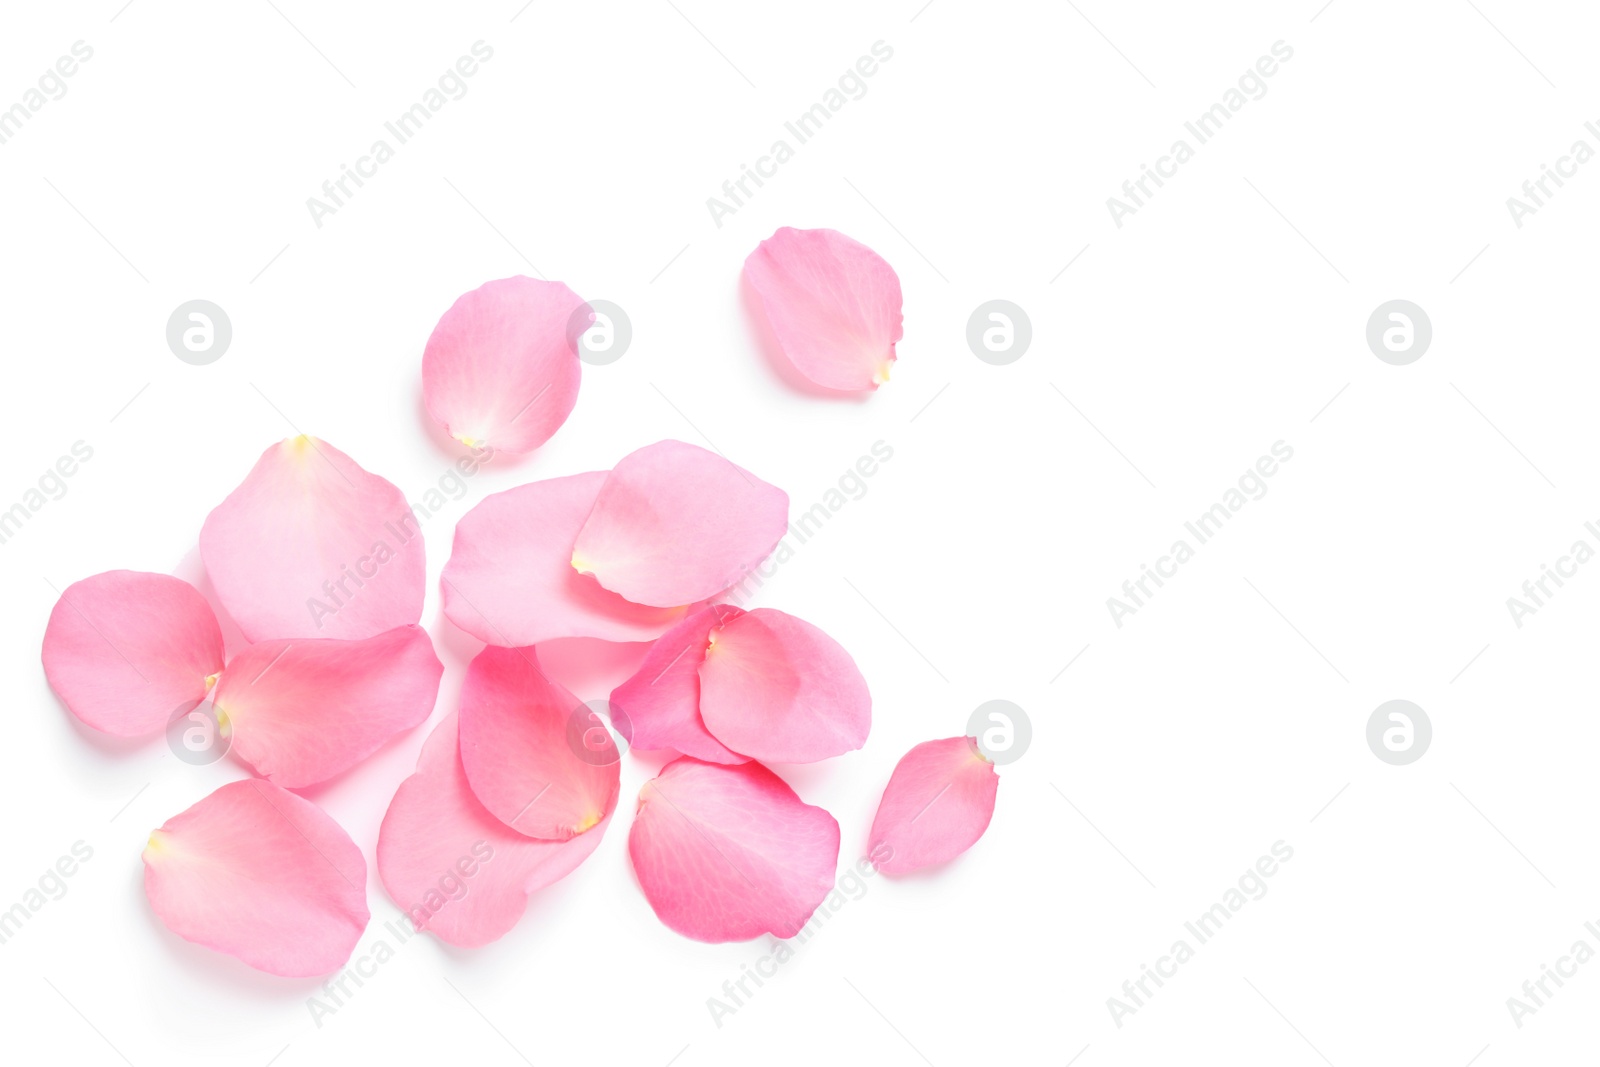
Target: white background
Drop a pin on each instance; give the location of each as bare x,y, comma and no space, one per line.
1223,317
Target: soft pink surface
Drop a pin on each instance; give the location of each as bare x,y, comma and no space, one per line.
662,699
938,803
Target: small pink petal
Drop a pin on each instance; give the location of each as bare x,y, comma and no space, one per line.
128,650
510,580
305,709
939,801
520,750
259,873
833,303
500,370
675,524
311,545
730,853
662,699
457,870
780,690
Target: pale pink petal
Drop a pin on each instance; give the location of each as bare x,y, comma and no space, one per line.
730,853
675,524
662,699
262,874
500,371
520,741
780,690
457,870
510,580
938,803
302,710
311,545
833,303
127,650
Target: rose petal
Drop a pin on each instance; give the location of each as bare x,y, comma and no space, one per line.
780,690
730,853
662,699
519,754
128,650
510,580
833,303
675,524
303,710
499,371
939,801
259,873
457,870
311,545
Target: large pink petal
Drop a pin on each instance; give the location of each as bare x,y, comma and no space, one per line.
127,650
311,545
500,370
259,873
662,699
833,303
521,735
675,524
456,869
730,853
939,801
510,580
780,690
302,710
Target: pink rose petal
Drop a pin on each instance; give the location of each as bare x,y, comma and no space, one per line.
510,580
833,303
520,750
459,872
675,524
303,710
500,370
939,801
662,699
780,690
311,545
127,650
730,853
259,873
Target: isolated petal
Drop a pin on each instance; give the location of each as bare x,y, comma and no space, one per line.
459,872
662,699
520,749
128,650
500,370
262,874
675,524
833,303
781,691
302,710
938,803
311,545
730,853
510,580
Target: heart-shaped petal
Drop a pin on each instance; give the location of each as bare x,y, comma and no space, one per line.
939,801
662,699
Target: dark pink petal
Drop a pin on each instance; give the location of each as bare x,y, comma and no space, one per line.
127,650
730,853
675,524
833,303
780,690
259,873
457,870
300,711
510,580
938,803
519,754
499,371
662,699
311,545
